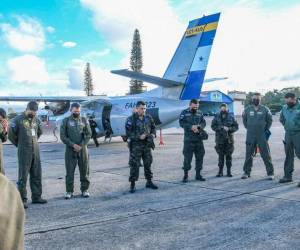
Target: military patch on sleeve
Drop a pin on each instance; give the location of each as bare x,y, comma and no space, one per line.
128,124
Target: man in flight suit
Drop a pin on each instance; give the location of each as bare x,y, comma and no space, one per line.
75,132
193,123
140,130
3,136
24,132
224,124
257,120
290,119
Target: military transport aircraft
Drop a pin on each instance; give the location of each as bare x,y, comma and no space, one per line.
182,81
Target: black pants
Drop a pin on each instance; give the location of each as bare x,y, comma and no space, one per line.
225,151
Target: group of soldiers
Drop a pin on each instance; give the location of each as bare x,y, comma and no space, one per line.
75,132
257,120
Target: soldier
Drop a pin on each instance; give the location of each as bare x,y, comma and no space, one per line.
12,216
193,123
257,120
93,126
75,132
24,132
3,136
224,124
140,130
290,119
135,116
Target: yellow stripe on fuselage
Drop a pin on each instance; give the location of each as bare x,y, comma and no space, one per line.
202,28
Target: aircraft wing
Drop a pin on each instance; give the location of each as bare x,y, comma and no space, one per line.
155,79
147,78
50,98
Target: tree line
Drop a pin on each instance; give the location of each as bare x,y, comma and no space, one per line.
274,99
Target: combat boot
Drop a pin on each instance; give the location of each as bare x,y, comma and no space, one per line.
132,187
25,205
199,176
185,177
151,185
39,200
285,180
220,173
229,172
245,176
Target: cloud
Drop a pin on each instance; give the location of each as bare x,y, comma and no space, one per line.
96,54
50,29
28,69
160,33
290,77
27,36
75,75
69,44
104,82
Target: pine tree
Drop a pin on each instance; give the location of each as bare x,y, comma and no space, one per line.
136,63
88,81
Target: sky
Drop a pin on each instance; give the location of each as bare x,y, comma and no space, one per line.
45,45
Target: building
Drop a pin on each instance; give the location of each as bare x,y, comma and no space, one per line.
210,101
239,98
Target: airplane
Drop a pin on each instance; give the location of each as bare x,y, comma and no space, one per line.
181,82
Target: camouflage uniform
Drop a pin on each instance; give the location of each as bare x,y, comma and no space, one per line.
3,138
76,131
24,133
93,126
193,143
140,149
257,122
290,119
224,139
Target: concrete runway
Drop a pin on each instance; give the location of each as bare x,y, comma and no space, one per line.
221,213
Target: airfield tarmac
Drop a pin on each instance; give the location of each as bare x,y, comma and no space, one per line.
221,213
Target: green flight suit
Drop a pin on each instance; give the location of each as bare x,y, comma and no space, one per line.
12,216
24,133
140,149
76,131
3,138
290,119
193,143
257,122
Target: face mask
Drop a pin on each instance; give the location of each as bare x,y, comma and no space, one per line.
290,104
76,115
30,116
255,102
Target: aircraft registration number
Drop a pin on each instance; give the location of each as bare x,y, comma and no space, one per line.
130,105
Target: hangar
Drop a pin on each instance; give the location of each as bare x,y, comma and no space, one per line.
210,101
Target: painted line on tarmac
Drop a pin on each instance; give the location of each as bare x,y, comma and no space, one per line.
237,194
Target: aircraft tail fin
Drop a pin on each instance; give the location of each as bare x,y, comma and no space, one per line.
190,60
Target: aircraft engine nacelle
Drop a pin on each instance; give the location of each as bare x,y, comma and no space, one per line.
58,108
